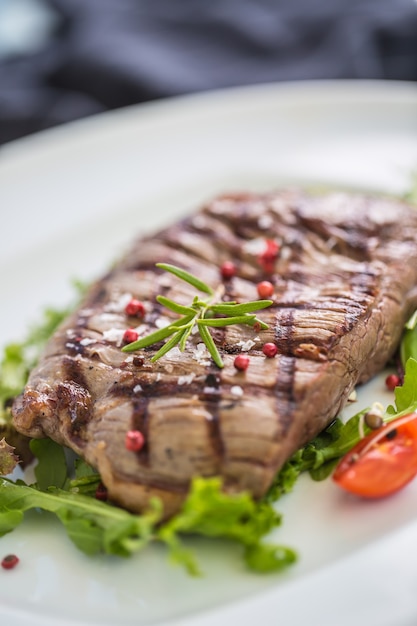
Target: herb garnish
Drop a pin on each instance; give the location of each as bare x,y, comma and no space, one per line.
200,314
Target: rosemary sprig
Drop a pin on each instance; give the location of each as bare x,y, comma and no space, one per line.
201,313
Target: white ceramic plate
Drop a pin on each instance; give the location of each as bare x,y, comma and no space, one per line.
70,199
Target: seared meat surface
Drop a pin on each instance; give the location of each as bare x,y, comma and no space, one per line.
344,268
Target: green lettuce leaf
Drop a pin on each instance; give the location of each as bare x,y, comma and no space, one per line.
406,394
92,525
51,468
96,527
211,512
8,459
408,346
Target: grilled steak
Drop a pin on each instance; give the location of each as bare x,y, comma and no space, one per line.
344,269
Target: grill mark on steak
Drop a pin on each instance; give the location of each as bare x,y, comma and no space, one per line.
211,398
158,484
345,283
74,400
284,331
285,399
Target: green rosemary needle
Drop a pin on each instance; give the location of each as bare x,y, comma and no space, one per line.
201,313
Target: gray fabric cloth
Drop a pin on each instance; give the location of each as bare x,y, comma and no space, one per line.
110,53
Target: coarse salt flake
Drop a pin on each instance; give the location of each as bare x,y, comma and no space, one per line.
255,246
174,354
162,322
246,345
87,341
118,306
165,281
137,389
109,317
236,391
201,354
141,329
186,379
114,335
265,222
285,253
219,207
199,221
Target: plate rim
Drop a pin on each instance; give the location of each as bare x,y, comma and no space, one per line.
50,138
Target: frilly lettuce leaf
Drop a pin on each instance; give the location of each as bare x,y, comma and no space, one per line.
211,512
8,459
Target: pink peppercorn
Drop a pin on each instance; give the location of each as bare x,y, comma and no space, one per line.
228,270
265,289
130,335
268,256
101,492
241,362
392,381
135,308
134,440
269,350
10,561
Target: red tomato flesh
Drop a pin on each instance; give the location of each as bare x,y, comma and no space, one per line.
382,462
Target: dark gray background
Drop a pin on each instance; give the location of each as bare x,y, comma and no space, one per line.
87,56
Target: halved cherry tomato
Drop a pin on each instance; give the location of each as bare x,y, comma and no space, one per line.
382,462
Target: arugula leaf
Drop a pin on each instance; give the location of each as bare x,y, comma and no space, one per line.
406,395
13,375
210,512
92,525
318,457
95,527
51,468
317,453
408,346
